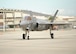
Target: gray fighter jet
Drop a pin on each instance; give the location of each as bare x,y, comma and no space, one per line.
30,23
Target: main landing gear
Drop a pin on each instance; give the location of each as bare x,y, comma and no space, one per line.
51,34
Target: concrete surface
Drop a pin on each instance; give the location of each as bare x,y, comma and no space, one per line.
11,42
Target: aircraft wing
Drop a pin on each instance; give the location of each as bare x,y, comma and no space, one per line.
60,23
54,23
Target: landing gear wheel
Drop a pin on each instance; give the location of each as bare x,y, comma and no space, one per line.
23,36
52,35
28,37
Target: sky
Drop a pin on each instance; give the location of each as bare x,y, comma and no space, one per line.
65,7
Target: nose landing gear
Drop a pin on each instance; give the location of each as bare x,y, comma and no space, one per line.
24,37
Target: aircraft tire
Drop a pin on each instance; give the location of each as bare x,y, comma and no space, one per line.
23,36
28,37
52,35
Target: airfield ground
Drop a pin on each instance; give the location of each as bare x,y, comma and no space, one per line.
64,42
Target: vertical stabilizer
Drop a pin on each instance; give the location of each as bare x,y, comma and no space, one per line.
54,16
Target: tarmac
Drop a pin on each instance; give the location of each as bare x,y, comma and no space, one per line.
40,42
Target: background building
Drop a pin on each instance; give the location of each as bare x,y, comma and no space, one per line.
11,17
70,19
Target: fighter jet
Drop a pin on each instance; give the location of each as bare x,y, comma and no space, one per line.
30,23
